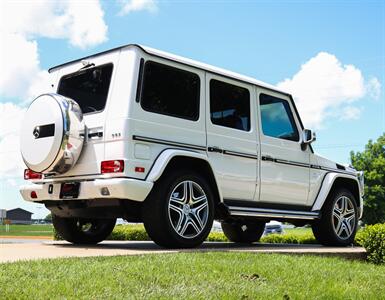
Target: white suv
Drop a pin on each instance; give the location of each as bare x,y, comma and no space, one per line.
151,137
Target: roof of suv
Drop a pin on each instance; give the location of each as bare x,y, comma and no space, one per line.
185,61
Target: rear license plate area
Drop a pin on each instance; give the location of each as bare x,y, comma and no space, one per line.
69,190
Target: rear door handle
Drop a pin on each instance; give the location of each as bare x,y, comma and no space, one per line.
95,134
215,149
267,158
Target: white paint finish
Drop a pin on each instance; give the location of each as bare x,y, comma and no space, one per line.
159,126
283,183
207,67
316,180
123,118
167,155
322,161
327,185
93,150
119,188
163,127
40,153
142,151
237,176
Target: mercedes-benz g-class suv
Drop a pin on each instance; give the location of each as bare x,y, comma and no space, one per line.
147,136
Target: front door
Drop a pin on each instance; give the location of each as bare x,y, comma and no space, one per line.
231,136
284,171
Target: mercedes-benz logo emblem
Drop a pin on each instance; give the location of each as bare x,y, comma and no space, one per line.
36,132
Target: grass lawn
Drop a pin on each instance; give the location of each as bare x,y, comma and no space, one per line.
298,230
27,230
210,275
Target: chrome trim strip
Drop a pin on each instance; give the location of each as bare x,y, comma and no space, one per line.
267,215
168,143
273,213
240,154
191,146
305,165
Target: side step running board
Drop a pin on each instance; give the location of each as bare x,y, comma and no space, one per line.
272,213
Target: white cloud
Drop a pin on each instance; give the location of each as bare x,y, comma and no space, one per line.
86,23
350,113
80,22
128,6
323,86
19,63
11,163
373,87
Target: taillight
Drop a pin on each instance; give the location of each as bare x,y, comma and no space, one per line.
29,174
112,166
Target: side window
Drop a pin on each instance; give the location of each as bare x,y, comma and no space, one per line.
229,105
170,91
277,119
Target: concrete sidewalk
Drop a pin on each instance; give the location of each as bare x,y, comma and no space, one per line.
14,252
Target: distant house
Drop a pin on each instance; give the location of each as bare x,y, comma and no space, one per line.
19,216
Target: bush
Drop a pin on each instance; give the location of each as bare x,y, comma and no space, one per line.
289,238
372,162
129,233
138,233
372,238
56,235
217,237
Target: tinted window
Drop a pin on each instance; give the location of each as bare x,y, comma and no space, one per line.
89,87
229,105
170,91
277,118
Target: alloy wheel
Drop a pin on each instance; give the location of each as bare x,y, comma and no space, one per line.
344,217
188,209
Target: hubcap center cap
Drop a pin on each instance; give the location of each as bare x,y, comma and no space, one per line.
186,209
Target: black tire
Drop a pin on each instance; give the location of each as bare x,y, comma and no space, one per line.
160,220
328,230
243,232
83,231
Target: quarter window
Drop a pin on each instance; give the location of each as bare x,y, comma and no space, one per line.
229,105
170,91
277,118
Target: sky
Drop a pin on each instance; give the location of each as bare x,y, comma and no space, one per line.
329,54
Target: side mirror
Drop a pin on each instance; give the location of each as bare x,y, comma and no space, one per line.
308,137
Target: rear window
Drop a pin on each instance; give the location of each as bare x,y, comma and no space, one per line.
170,91
89,87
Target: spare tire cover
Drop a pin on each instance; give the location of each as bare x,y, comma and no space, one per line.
52,134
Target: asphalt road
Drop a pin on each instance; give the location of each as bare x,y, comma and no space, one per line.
10,252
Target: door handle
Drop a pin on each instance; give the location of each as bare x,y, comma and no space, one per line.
215,149
95,134
267,158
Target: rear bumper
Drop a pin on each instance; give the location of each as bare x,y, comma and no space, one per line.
118,188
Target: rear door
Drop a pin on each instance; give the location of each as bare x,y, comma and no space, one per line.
231,136
90,86
284,171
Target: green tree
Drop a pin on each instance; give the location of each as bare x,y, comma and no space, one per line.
48,218
372,162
